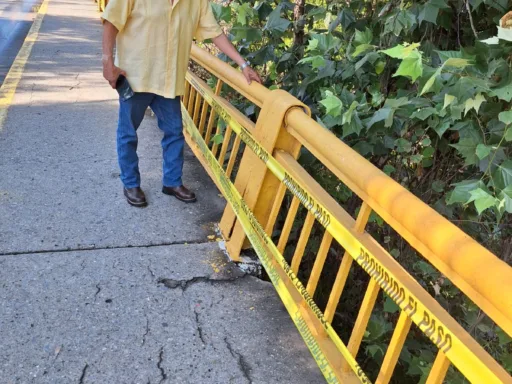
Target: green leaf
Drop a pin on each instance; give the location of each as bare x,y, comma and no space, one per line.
402,51
275,22
504,93
458,63
332,104
221,13
316,61
381,114
313,44
456,111
248,34
403,145
441,4
345,17
473,103
482,151
426,142
363,147
428,152
388,169
482,200
375,350
479,99
396,52
505,117
243,11
325,42
445,55
317,13
411,67
347,116
502,176
508,134
428,13
431,81
397,103
424,113
448,99
217,139
364,37
467,148
377,327
460,193
467,87
390,306
506,197
379,67
415,159
442,128
361,49
403,21
354,126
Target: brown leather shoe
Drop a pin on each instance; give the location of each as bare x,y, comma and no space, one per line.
135,197
181,193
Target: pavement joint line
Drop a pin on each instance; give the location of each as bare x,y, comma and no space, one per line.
88,249
13,78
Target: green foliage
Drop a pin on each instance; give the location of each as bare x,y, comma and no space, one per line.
408,86
375,74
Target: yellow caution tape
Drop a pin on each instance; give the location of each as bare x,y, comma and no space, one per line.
270,257
447,341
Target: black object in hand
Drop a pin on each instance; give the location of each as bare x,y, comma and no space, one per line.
123,88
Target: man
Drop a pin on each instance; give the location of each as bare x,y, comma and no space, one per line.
153,41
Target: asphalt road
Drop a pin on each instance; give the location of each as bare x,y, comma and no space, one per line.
16,17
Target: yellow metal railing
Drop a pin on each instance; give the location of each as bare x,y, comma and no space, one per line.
255,167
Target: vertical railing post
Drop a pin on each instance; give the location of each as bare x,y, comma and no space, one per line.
257,186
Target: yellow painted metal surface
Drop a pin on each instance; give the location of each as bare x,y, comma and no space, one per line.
257,195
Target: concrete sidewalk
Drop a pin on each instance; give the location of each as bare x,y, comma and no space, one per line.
93,290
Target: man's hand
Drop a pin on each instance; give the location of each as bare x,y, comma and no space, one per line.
251,75
111,73
222,42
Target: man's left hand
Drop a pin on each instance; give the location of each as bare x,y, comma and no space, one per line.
251,75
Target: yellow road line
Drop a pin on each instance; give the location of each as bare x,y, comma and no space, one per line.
8,88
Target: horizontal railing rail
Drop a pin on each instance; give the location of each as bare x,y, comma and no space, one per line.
255,166
450,250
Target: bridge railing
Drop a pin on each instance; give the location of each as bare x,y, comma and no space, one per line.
255,166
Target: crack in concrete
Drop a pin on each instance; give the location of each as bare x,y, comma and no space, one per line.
159,365
185,284
199,327
147,331
94,248
98,291
81,381
242,363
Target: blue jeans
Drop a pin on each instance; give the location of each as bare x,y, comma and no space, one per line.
168,112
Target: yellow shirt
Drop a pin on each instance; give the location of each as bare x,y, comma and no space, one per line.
155,38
